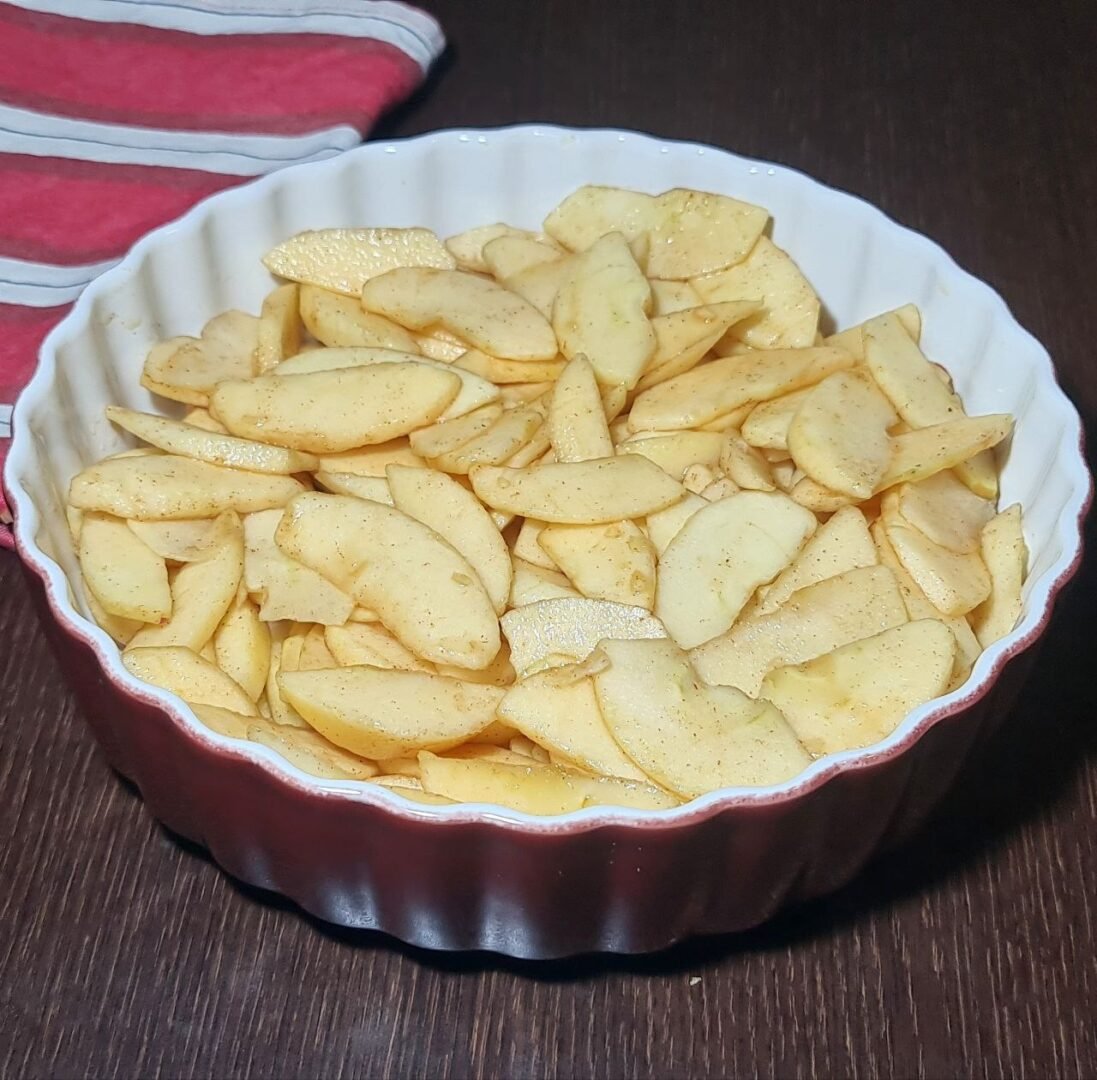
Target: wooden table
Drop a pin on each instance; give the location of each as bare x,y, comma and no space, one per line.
973,951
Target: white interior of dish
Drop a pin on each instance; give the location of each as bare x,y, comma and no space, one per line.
860,262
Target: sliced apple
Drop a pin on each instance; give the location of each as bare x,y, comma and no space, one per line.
356,644
576,417
614,561
127,577
512,430
578,492
506,256
503,372
664,525
477,310
813,621
840,544
1005,554
852,339
447,436
744,465
279,330
562,715
380,713
456,515
946,510
324,412
242,646
843,455
859,694
372,461
284,587
556,632
183,672
361,487
373,552
473,392
676,451
919,454
533,583
719,557
468,247
790,317
689,737
766,427
601,312
343,260
954,583
230,451
721,386
341,322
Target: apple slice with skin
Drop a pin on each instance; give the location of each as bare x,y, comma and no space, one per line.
858,694
480,312
381,713
720,556
689,737
375,552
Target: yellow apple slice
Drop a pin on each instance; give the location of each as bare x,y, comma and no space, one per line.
721,386
813,621
324,412
310,752
373,460
201,592
468,247
683,338
859,694
532,583
242,646
230,451
946,510
284,587
839,435
744,465
449,435
954,583
375,553
364,643
664,525
840,544
127,577
380,713
790,317
163,486
918,454
689,737
576,417
562,715
183,672
279,330
601,312
514,253
767,425
852,339
512,430
473,392
361,487
183,540
1006,556
502,372
720,556
343,260
578,492
341,322
456,515
676,451
605,562
481,312
556,632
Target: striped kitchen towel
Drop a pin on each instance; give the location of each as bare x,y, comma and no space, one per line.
118,115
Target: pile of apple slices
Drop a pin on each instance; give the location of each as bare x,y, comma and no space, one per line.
588,516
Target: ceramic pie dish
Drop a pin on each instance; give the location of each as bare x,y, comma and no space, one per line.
474,876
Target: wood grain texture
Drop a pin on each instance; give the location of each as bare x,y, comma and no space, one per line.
972,951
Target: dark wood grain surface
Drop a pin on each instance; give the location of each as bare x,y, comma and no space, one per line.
971,952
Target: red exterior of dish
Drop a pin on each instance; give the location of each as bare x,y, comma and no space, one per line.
481,884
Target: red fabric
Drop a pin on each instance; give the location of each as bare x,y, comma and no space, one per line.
46,205
67,212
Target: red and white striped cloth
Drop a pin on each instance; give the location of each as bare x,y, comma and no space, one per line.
118,115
